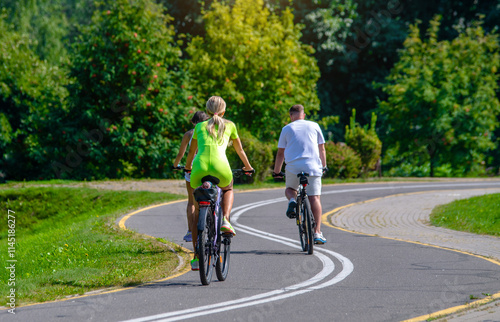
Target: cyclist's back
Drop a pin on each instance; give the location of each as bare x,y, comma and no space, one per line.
302,147
300,140
211,157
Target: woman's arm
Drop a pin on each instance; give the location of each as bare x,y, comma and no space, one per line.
182,149
241,153
191,154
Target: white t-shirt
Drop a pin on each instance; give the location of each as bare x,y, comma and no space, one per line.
300,140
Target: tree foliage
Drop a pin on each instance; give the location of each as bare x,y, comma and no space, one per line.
253,59
44,22
364,141
342,160
128,104
442,97
31,90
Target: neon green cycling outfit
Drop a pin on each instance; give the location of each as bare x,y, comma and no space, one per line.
211,157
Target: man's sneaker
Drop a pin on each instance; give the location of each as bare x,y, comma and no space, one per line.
319,239
227,228
195,264
188,236
290,212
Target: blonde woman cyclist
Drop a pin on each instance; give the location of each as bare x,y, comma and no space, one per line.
211,139
198,117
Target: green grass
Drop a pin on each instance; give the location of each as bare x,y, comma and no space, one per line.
479,215
67,243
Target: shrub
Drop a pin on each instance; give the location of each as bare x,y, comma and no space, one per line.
342,160
364,141
260,155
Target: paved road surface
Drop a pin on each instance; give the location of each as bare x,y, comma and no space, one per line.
354,277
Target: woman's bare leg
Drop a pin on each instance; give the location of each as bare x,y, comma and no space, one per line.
227,200
190,209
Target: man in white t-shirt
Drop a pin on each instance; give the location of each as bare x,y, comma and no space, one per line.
302,147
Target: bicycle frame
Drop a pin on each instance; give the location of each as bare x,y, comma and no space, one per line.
216,211
211,242
212,247
305,219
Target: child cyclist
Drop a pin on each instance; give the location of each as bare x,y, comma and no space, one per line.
211,139
185,144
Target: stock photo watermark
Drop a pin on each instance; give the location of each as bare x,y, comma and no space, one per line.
11,261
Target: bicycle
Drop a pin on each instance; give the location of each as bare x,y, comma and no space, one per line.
304,216
213,247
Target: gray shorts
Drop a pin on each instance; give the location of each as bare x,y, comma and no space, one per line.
313,188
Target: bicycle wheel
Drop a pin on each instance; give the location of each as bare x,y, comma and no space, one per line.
308,225
302,227
205,247
222,265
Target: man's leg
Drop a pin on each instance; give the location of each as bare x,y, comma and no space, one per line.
317,211
290,193
292,183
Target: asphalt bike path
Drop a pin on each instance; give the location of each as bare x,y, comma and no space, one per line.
354,277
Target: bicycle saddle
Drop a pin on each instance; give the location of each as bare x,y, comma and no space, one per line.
205,194
303,178
212,179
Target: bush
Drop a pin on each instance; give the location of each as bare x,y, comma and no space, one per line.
260,155
364,141
342,160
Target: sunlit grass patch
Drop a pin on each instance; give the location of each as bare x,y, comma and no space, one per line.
67,243
480,215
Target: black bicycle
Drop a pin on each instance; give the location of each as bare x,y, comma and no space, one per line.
213,247
304,216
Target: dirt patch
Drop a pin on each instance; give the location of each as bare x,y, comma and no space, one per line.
171,186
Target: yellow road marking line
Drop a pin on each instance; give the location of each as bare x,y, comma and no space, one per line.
325,220
121,224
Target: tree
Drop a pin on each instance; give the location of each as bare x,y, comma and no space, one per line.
44,22
31,91
256,62
377,32
442,97
128,103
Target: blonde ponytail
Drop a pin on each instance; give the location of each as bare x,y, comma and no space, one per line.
216,106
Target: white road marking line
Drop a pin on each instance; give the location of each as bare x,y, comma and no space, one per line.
289,291
278,294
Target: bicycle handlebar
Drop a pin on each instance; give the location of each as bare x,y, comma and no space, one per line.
278,175
181,167
282,174
239,172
